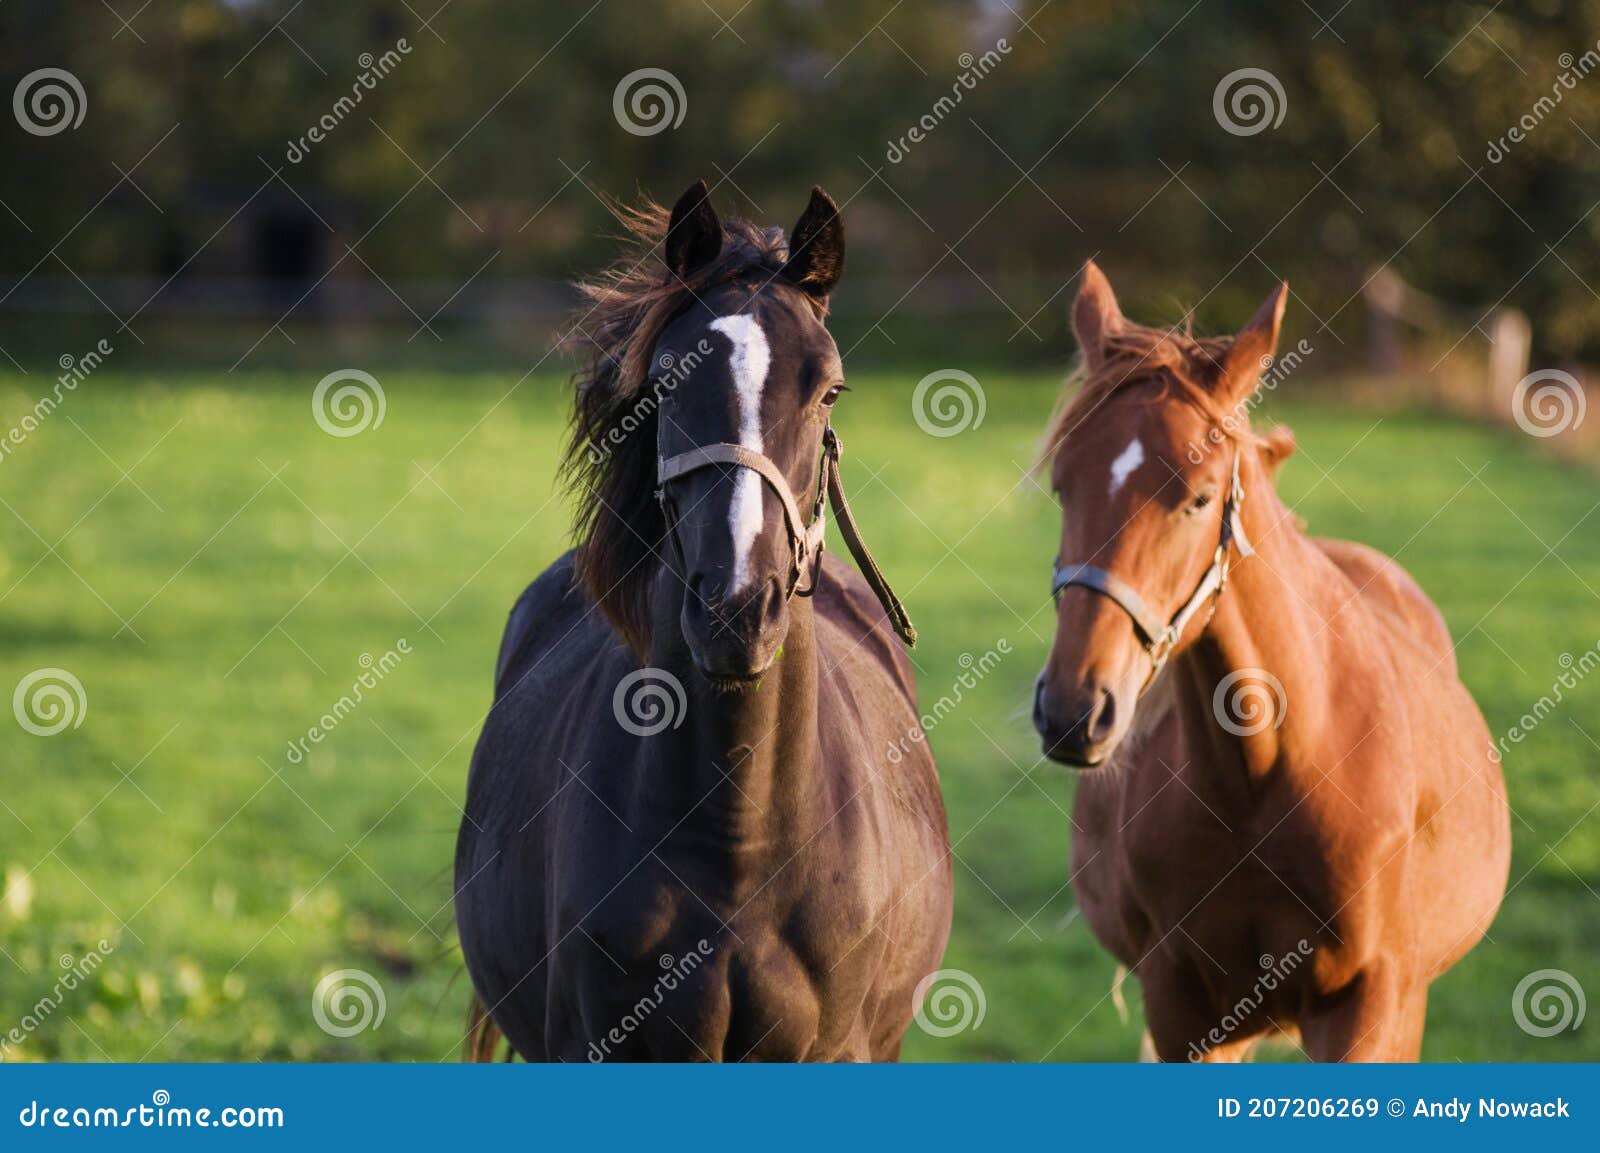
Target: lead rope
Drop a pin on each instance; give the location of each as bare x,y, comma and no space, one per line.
833,450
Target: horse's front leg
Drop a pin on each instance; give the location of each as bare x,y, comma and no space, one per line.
1377,1017
1181,1020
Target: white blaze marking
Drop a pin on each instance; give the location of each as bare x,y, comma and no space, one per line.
1129,459
749,361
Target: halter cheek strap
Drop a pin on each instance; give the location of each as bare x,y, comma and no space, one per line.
805,539
1159,639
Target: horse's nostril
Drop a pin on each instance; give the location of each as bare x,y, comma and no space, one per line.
1105,717
1041,723
709,591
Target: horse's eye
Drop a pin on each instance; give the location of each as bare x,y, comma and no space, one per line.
1198,503
831,397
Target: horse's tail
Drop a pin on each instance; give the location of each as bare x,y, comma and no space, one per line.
483,1035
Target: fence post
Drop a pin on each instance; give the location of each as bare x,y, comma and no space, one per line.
1510,342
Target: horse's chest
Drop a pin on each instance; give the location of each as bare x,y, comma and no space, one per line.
1150,862
779,973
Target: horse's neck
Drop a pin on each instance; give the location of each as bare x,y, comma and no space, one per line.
740,771
1270,619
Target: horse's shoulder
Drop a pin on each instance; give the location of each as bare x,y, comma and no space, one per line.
551,611
1380,582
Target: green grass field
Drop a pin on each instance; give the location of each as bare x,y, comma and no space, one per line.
212,567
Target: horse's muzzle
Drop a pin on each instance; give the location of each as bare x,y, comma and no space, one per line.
734,635
1078,729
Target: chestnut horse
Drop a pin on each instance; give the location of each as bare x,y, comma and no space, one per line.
1296,823
681,840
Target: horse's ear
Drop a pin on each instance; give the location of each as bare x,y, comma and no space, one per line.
1095,314
816,248
1277,446
694,236
1251,352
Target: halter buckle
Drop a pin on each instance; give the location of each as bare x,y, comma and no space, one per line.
1160,648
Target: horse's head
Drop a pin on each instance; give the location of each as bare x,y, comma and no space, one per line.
739,377
1149,462
765,382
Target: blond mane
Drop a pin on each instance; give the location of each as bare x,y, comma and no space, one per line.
1183,364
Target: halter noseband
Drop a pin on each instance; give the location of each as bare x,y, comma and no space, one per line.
1160,639
805,539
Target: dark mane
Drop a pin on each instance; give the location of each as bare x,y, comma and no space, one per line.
610,460
1138,353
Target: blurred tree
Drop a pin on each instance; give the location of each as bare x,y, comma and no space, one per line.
1095,132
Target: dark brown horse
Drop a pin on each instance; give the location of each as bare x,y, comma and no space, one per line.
1297,822
681,839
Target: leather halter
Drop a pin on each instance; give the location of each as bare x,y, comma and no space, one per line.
805,539
1160,639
